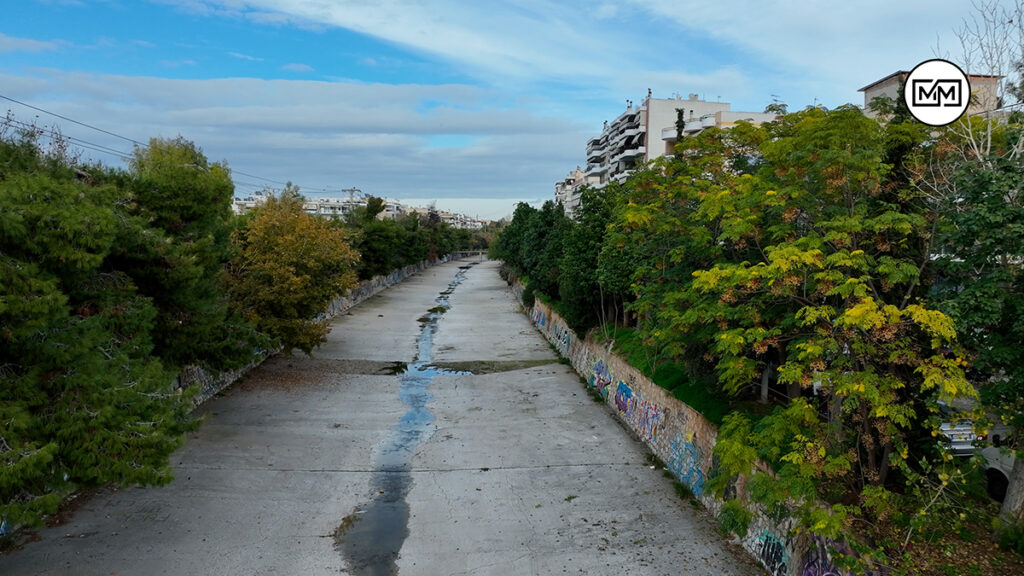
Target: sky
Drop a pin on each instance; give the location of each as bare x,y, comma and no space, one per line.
471,104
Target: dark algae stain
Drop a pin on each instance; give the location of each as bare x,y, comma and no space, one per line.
371,537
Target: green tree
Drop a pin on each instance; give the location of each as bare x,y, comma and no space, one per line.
82,400
508,246
542,247
379,243
836,294
581,294
184,203
980,282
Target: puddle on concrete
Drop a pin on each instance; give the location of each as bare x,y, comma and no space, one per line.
371,537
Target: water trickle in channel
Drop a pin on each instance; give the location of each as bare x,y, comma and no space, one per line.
371,537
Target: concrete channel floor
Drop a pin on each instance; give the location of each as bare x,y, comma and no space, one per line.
515,471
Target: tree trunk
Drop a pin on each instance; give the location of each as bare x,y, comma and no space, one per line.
793,390
883,473
1013,505
764,383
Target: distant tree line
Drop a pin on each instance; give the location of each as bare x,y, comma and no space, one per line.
112,280
862,273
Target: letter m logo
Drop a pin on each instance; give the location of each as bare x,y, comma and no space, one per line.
938,92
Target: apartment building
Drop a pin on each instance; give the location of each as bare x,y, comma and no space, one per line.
643,133
567,191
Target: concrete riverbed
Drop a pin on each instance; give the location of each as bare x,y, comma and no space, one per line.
435,433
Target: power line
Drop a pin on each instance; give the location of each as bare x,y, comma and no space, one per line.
123,155
72,120
55,135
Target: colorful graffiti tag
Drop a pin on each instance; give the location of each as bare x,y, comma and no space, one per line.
685,461
601,378
772,553
622,396
643,416
648,417
563,338
539,319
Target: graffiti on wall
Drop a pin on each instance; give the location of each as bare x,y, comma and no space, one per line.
623,394
643,416
819,559
563,338
684,462
539,319
648,416
601,378
771,551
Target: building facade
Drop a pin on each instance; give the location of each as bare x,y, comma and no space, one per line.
643,133
567,191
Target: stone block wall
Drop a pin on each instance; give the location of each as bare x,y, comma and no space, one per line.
683,439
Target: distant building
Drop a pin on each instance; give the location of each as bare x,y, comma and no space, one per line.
643,133
341,207
567,192
984,92
243,205
332,207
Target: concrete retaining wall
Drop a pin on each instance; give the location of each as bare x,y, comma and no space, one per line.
211,384
683,439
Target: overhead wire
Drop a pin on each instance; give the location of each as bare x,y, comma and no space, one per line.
55,134
123,155
8,98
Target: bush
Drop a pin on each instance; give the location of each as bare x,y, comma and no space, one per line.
735,518
529,295
1011,537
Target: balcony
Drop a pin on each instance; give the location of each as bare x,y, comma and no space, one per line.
628,153
634,152
623,176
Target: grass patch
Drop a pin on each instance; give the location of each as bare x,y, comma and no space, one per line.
701,394
682,490
653,460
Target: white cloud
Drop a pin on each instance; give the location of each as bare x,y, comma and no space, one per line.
838,46
294,67
324,135
541,60
241,56
12,44
824,49
520,40
606,11
177,63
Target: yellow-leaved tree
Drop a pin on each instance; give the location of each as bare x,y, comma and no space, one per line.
288,267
